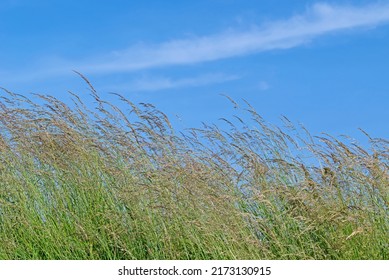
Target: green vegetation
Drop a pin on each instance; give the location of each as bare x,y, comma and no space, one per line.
110,183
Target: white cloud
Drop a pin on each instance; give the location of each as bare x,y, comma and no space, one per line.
318,20
263,85
160,83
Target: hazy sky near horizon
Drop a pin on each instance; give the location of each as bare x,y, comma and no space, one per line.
323,64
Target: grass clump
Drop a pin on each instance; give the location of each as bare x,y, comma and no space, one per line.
118,183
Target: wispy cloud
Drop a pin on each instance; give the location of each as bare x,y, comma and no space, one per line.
318,20
263,85
161,83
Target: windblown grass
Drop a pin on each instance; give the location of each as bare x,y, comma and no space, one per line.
118,183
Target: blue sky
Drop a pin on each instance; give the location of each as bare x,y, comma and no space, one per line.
323,64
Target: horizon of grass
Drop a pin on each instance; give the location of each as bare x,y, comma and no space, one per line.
119,183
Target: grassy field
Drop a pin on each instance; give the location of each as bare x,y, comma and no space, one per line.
103,182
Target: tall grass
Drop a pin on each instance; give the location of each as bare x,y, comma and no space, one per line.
103,182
